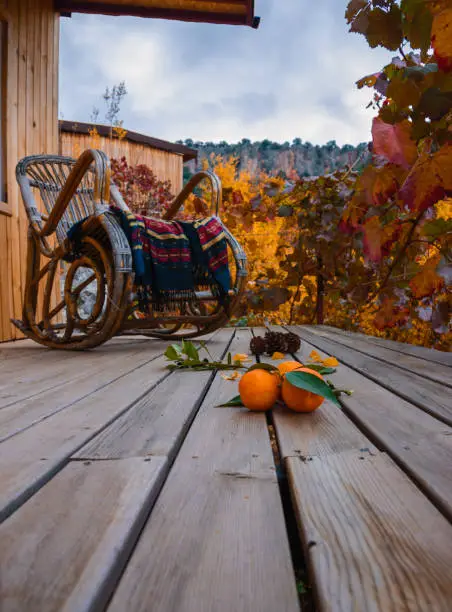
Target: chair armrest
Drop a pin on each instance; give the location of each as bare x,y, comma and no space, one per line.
215,187
101,168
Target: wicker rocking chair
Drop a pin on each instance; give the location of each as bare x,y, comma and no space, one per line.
76,190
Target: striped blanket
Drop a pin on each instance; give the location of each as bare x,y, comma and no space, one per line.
172,259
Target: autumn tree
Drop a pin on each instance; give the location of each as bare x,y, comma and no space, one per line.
402,203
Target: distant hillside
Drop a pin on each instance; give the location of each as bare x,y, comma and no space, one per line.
301,157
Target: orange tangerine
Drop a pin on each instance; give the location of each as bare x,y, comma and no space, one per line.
259,389
289,366
298,399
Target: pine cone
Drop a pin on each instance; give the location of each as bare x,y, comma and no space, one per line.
293,342
275,342
258,345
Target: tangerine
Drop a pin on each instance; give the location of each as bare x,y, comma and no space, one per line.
259,389
289,366
298,399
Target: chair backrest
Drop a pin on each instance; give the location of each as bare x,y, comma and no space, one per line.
47,175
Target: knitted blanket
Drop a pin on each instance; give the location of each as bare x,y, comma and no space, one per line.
172,259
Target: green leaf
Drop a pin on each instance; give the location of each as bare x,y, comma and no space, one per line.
172,354
229,358
310,382
323,371
235,401
191,351
263,366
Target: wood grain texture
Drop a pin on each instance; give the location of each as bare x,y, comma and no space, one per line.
404,348
216,538
417,441
65,548
374,542
26,402
166,166
32,68
431,396
29,459
438,372
158,422
322,432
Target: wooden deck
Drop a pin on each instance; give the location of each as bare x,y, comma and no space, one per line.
124,487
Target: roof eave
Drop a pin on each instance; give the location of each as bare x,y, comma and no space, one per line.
80,127
66,7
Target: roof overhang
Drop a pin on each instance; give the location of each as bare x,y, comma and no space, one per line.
77,127
231,12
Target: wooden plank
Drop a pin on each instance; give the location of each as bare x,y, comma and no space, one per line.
216,538
431,396
374,542
438,372
29,459
49,369
418,442
20,416
323,432
400,347
8,285
28,405
67,546
4,289
157,424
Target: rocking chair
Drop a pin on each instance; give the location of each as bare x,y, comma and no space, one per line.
80,190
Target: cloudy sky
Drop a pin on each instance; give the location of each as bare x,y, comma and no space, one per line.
293,77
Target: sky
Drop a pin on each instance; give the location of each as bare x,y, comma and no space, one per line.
292,77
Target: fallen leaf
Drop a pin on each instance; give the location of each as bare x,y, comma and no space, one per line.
232,376
315,357
277,355
240,358
330,362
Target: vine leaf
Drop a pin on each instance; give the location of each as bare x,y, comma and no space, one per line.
442,39
427,280
394,142
419,191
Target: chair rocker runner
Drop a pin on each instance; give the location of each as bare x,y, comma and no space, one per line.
80,191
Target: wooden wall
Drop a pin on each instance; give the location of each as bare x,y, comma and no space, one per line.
31,101
167,166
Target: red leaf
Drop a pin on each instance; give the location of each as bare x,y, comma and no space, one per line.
429,180
372,238
394,142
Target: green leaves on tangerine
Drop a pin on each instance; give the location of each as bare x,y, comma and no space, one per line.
310,382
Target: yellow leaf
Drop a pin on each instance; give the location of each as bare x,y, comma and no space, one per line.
442,39
232,376
444,209
240,358
315,357
330,362
277,355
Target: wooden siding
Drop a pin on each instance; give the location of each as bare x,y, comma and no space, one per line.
167,166
31,128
